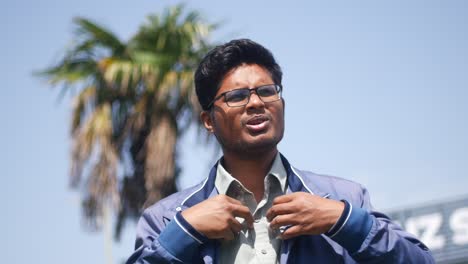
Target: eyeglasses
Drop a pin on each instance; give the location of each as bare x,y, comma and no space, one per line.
240,97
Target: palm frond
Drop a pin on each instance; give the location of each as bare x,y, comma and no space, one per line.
133,101
85,98
95,35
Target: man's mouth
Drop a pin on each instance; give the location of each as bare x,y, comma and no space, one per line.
257,123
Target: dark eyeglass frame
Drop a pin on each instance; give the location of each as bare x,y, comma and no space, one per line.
279,89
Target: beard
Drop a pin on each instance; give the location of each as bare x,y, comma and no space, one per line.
250,149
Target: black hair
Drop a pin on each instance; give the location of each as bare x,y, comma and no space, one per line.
223,58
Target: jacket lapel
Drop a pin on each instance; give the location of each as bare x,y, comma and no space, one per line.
296,183
206,190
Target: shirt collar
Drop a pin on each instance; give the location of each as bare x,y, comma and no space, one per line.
224,179
278,170
294,181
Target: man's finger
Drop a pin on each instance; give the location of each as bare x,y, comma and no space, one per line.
228,234
283,220
283,198
279,209
243,212
291,232
232,200
235,226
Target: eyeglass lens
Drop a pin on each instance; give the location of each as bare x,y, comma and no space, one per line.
239,97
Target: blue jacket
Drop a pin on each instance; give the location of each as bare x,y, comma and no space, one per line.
364,235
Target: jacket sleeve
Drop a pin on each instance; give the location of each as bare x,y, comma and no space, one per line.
176,242
371,237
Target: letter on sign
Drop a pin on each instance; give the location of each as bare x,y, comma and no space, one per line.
426,228
459,226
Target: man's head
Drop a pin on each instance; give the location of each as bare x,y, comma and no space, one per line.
245,121
222,59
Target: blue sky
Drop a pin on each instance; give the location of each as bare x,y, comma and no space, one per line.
376,92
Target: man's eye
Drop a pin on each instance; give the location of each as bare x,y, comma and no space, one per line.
267,91
236,96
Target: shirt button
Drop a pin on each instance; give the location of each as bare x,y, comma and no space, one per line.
257,220
264,251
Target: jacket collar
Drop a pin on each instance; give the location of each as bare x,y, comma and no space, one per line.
295,182
204,191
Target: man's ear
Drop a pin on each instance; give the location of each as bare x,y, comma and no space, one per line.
205,117
284,104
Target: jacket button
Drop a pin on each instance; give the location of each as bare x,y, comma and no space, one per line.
264,251
178,209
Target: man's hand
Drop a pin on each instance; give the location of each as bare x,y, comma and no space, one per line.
216,217
307,214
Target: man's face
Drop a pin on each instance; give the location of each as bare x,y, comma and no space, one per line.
253,128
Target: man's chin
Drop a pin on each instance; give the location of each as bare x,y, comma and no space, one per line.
259,144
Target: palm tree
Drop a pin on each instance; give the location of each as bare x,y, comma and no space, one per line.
132,102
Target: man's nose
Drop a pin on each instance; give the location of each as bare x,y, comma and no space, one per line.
255,101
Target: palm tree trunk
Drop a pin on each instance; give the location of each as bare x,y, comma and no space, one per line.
160,159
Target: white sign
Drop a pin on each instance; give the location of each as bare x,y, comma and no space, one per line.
427,227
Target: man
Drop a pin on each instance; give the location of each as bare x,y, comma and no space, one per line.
254,207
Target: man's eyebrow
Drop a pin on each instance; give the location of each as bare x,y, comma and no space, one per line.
248,87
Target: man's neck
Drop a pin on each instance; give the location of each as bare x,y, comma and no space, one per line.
251,170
